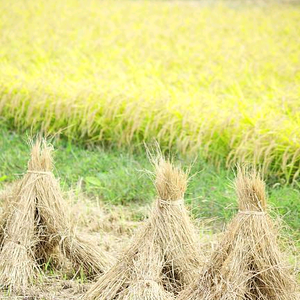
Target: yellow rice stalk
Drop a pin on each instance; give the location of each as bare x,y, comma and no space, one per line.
248,264
162,258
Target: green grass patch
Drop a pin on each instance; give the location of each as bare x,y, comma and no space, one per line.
120,178
214,79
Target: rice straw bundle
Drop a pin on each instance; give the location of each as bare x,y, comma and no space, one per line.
248,263
36,226
2,225
4,197
57,227
162,258
146,275
17,263
176,233
1,234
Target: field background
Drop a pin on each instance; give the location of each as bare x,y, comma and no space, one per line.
215,83
216,79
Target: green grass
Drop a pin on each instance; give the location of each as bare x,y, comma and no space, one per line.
120,178
216,80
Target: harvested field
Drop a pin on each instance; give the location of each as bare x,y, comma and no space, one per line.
105,226
112,228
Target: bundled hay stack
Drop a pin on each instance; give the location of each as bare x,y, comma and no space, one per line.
4,200
162,258
17,262
248,264
36,225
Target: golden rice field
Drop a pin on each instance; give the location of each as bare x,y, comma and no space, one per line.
216,80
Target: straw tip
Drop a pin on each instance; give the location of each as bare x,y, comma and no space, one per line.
171,181
250,189
41,155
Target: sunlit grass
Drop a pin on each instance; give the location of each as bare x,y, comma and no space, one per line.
221,81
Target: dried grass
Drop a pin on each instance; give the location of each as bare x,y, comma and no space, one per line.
58,227
17,258
4,200
248,263
36,227
162,257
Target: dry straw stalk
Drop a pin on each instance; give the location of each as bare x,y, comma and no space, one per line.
35,227
162,258
17,263
248,264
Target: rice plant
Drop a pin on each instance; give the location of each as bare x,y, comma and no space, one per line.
216,80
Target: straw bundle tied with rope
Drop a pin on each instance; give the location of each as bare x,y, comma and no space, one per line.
248,264
17,262
162,258
4,199
36,226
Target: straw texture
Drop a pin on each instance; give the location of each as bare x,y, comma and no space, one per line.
162,258
17,263
248,264
36,227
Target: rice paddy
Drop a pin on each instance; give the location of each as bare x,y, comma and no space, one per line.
216,84
220,80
